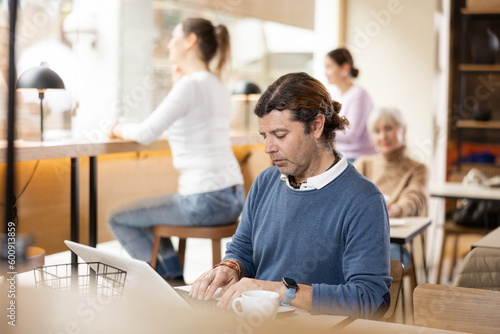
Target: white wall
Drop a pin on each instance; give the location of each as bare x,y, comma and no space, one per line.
394,45
135,53
326,31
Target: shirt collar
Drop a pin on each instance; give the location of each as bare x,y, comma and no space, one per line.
321,180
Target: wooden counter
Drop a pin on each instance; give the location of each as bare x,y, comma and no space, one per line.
36,150
126,171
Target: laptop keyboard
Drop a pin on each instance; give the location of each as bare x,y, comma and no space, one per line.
197,304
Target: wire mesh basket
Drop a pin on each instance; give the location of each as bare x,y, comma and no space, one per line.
93,278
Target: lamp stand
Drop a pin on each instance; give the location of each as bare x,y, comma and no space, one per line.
11,122
41,96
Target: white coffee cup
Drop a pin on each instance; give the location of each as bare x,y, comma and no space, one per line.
257,304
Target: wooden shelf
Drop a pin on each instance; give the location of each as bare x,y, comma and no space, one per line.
469,124
480,11
479,68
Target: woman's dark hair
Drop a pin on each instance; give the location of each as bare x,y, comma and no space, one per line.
342,56
210,40
305,97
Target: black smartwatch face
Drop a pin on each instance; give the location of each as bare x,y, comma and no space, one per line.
289,282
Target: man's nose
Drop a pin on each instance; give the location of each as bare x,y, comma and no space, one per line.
270,146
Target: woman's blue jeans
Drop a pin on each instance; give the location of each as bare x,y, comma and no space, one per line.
132,225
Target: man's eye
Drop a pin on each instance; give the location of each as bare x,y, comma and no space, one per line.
280,135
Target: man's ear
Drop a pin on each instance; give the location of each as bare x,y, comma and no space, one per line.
317,125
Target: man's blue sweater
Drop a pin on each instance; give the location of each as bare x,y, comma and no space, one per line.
335,238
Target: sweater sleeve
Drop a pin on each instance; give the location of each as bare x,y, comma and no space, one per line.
413,198
175,105
365,265
240,248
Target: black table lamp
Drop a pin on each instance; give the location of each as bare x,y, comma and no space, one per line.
245,89
40,78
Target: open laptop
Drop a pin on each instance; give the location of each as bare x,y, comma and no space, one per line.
143,280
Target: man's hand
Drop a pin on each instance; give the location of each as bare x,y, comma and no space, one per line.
205,286
229,293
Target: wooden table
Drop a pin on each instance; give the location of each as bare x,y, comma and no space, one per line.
36,150
64,312
301,317
457,190
361,326
490,240
404,230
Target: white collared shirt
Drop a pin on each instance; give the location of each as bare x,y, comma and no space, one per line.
321,180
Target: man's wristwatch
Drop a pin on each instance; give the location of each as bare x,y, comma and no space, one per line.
292,287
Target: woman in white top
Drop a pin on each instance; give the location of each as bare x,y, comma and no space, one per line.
195,119
356,104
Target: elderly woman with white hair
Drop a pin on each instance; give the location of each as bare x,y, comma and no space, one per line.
401,179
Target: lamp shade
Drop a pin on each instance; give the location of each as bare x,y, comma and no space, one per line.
41,78
246,88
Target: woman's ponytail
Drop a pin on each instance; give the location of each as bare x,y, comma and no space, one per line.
211,40
223,46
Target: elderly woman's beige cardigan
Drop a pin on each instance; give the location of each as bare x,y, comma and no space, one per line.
399,177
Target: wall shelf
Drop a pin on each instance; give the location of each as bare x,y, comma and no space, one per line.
470,124
478,68
469,65
480,11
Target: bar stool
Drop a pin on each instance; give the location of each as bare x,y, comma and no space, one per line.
216,233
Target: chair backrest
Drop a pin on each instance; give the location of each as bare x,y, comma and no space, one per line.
394,290
455,308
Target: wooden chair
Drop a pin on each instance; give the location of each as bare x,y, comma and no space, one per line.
455,308
394,290
450,229
216,233
409,271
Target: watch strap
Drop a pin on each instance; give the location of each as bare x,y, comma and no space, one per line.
289,296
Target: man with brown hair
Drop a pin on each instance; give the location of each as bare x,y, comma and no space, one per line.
313,229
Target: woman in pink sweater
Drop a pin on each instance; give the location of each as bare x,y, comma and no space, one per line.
356,104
